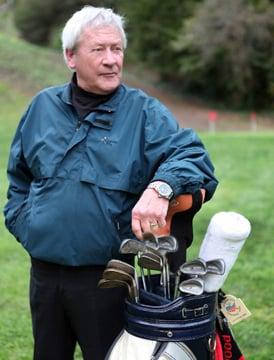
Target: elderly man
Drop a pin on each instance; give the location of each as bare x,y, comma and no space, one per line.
92,162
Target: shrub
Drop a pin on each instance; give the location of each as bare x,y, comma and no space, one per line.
152,24
226,52
36,20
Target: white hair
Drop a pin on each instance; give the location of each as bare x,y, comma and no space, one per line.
90,16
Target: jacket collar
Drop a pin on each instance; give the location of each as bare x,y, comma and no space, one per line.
109,106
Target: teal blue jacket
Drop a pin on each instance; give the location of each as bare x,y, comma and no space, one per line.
72,188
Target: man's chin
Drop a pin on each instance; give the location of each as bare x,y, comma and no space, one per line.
109,88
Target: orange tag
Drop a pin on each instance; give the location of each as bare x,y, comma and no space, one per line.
234,309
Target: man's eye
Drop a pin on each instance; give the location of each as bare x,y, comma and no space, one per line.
117,49
96,50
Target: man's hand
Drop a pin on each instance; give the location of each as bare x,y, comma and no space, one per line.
149,213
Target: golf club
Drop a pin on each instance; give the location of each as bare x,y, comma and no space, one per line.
121,265
215,266
167,244
150,261
107,284
136,247
115,274
151,241
194,267
193,286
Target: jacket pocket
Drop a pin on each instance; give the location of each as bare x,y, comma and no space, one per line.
21,225
24,219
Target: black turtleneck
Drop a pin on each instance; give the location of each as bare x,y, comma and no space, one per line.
83,101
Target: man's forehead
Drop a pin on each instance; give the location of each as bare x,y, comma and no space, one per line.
103,33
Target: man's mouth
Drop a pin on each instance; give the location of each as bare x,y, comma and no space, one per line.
111,74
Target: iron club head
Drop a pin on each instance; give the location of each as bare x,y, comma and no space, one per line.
168,243
194,286
107,284
116,274
150,261
194,267
215,266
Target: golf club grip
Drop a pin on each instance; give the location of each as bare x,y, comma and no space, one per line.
180,204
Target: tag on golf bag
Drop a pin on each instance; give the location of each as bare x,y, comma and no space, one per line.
234,309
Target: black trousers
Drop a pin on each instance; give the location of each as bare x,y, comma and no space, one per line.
68,308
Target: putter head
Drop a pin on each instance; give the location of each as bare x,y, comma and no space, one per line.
194,267
193,286
215,266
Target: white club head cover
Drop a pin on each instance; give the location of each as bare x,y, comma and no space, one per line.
225,236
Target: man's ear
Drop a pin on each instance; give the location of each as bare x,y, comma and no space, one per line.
70,58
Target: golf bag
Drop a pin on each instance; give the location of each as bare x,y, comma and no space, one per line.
187,328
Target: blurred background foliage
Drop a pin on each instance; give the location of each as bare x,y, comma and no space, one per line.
214,49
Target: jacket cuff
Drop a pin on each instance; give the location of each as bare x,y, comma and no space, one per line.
177,187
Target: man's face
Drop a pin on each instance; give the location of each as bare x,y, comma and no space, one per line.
98,59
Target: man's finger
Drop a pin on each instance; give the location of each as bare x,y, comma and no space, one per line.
161,223
136,228
147,225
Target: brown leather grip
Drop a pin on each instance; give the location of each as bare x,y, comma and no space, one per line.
179,204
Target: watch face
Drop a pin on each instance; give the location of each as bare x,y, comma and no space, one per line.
164,189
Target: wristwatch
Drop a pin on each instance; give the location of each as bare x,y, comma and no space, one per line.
162,188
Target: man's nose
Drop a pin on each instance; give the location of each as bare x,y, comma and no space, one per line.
109,57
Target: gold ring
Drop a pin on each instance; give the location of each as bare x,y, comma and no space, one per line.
153,224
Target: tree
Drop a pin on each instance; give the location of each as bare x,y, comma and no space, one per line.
36,20
151,27
225,51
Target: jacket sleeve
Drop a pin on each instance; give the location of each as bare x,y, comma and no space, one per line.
19,177
180,157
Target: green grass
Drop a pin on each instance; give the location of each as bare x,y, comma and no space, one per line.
34,67
244,166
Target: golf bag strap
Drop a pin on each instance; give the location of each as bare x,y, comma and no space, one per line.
218,350
226,346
